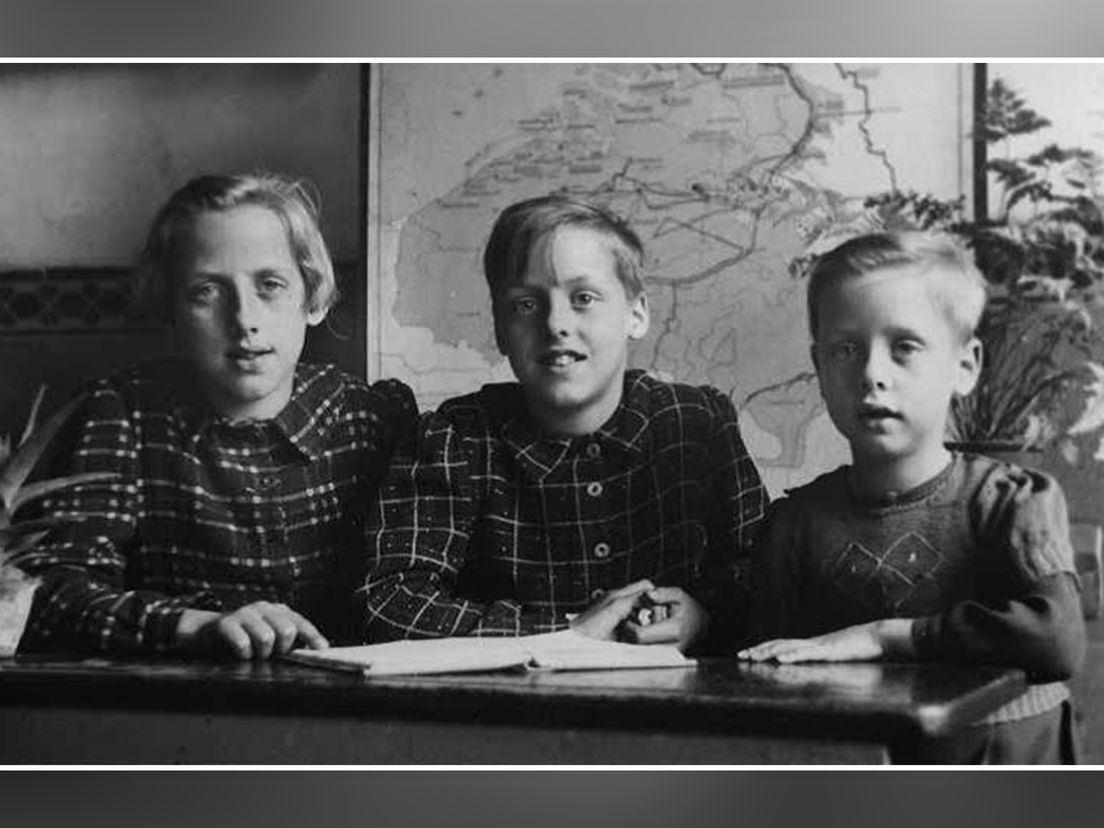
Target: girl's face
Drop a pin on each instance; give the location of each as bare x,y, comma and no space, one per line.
565,326
240,310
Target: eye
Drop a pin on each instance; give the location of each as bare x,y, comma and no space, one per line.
844,350
201,293
271,284
523,305
584,298
907,347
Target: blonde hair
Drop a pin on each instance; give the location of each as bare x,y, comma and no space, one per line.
287,198
958,287
521,226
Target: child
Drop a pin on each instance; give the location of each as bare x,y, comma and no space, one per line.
234,522
580,494
914,552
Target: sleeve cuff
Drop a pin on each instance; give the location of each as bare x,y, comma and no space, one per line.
159,633
925,634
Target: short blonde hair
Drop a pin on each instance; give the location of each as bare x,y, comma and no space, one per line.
521,226
287,198
959,288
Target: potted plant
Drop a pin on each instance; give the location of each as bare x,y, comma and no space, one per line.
1042,254
16,587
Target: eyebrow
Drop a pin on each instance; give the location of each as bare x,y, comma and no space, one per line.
219,274
574,281
831,330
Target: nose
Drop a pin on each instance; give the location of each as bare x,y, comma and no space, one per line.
558,317
244,311
875,373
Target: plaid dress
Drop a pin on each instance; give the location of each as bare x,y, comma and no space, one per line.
486,526
206,514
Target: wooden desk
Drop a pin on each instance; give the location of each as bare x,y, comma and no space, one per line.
97,710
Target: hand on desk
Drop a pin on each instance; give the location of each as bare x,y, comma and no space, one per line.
889,637
642,613
665,615
602,619
256,631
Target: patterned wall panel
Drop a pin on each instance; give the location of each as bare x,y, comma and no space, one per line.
67,300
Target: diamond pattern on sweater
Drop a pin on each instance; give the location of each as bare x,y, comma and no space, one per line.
886,580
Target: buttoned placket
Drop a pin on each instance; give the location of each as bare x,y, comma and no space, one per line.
590,471
269,529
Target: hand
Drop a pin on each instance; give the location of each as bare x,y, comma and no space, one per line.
258,630
602,618
676,618
890,637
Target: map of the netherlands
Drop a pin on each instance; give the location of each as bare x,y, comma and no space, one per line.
727,171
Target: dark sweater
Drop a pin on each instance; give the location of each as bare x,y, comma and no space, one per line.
979,556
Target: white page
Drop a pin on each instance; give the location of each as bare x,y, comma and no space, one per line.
564,650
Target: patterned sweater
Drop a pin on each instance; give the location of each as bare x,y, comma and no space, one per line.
979,556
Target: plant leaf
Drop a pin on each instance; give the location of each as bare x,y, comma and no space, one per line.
32,418
41,488
22,544
24,458
1092,417
11,533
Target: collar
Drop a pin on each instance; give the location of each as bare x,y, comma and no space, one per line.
909,497
305,421
313,408
539,453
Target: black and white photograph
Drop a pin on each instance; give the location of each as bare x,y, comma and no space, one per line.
558,413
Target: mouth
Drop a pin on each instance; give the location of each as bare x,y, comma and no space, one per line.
248,355
874,414
560,359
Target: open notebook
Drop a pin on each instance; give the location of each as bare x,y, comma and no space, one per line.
564,650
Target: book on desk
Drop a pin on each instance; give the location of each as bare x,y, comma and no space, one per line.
564,650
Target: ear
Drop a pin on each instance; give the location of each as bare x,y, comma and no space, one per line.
639,317
815,357
316,315
968,369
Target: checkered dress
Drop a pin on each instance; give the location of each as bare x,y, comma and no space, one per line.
485,526
210,515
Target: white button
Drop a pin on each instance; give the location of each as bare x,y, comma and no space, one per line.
594,489
594,450
601,550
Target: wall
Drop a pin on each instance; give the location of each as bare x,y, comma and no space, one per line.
88,154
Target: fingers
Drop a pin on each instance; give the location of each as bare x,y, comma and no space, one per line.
795,650
619,607
601,619
650,614
665,615
775,649
668,631
811,651
261,630
667,595
309,636
632,590
620,602
656,604
231,633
